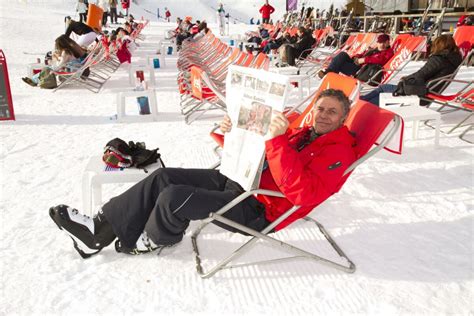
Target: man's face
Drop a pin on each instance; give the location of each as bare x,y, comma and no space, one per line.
328,115
382,46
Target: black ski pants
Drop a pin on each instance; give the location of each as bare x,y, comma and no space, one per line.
113,15
343,63
83,17
166,201
104,18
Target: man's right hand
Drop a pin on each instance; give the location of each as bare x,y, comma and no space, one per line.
226,124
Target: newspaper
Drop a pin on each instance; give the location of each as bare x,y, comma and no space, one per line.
252,95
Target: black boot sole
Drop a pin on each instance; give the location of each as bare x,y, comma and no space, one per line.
81,252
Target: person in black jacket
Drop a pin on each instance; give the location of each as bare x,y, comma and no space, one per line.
83,35
444,60
288,53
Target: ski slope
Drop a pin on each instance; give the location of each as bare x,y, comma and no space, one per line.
406,221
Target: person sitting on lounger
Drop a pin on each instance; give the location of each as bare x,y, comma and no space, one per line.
290,52
444,59
80,32
343,63
68,56
307,165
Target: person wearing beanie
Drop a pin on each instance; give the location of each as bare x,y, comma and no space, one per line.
343,63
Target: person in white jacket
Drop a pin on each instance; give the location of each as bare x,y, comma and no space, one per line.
221,19
104,5
81,8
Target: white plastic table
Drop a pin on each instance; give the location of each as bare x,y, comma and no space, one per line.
95,175
387,100
417,113
412,112
161,58
145,68
123,95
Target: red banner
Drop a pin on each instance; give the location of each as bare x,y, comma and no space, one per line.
6,102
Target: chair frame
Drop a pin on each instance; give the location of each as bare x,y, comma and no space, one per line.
298,253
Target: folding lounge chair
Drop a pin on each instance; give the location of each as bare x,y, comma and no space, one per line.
464,38
320,37
209,89
77,77
358,46
215,77
319,56
407,50
372,126
463,100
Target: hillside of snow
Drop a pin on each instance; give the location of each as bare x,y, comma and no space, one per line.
406,221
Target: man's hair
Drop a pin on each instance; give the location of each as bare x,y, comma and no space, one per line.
339,96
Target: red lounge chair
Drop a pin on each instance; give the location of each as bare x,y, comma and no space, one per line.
372,126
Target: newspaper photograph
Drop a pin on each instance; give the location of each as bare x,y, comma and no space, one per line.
252,96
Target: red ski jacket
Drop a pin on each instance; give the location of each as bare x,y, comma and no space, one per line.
266,10
307,177
125,4
380,58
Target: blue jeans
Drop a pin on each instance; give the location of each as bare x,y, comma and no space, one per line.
373,96
342,62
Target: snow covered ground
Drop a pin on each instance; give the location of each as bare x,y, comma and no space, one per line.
406,221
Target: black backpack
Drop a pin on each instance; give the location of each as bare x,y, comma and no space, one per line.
119,154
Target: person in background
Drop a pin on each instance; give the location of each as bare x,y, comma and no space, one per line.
275,43
80,32
289,52
104,5
195,28
68,56
444,59
125,6
184,32
266,10
113,11
343,63
167,15
221,19
81,9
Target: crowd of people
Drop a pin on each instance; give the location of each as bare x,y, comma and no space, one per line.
186,29
110,8
77,42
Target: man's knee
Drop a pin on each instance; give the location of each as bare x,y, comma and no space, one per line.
174,198
162,174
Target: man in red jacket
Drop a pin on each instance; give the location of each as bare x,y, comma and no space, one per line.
343,63
306,165
126,6
266,10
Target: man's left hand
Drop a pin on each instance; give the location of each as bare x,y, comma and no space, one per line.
278,125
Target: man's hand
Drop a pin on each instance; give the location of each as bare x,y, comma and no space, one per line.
278,125
226,124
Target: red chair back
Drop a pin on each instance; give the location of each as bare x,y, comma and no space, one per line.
367,122
464,38
403,55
